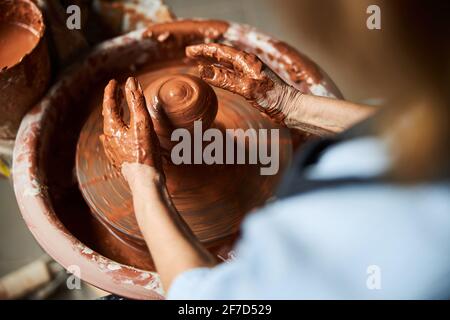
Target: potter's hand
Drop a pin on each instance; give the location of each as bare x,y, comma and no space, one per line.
244,74
134,149
133,143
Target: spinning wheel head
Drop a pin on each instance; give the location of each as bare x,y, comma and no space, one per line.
211,198
177,101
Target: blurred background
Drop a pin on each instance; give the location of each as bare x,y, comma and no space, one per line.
369,66
331,32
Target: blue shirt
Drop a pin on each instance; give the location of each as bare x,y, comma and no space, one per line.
374,241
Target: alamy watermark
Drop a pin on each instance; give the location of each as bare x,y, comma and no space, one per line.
73,281
73,22
373,281
373,22
234,146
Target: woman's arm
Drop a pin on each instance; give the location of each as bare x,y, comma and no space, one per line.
135,150
321,115
244,74
173,246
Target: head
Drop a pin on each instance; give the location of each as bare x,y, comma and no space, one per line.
406,63
416,123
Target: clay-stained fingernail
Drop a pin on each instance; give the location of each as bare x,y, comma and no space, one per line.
133,87
112,82
111,85
132,83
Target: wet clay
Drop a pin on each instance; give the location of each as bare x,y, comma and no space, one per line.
242,73
24,62
186,32
212,199
58,205
232,69
177,101
133,143
16,41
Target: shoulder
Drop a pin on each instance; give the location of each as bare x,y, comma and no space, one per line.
338,234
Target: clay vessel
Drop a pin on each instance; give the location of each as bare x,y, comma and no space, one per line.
212,198
23,83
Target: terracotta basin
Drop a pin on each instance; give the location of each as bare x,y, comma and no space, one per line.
44,157
25,82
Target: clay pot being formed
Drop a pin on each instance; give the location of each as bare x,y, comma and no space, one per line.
23,81
45,184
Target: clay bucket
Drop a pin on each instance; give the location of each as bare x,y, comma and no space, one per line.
44,152
22,84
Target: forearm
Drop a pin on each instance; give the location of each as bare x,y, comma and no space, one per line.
173,246
321,115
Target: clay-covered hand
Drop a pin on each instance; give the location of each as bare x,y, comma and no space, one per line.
136,142
244,74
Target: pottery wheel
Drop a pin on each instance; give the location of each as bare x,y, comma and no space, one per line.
212,199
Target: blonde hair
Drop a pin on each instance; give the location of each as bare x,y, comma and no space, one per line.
406,63
417,127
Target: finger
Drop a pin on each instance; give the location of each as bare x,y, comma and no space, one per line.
207,54
136,102
222,78
112,121
228,57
